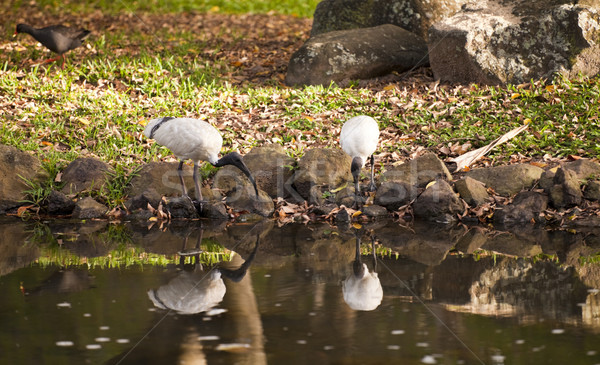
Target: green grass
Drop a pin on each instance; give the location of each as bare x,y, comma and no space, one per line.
97,105
300,8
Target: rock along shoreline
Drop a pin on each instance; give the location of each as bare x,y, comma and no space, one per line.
318,186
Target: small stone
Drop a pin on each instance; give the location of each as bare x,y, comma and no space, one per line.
472,191
525,208
244,199
141,201
59,203
375,211
88,208
394,194
566,192
592,190
181,207
438,203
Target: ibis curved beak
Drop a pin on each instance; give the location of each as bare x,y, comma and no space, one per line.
235,159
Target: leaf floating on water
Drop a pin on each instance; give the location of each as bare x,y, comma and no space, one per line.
233,347
216,311
64,343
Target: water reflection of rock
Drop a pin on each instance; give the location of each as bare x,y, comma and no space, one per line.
64,281
362,289
512,287
14,248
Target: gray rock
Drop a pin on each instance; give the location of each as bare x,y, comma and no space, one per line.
85,174
567,191
59,203
392,195
472,191
525,208
141,201
547,180
342,217
419,171
346,197
214,210
514,41
321,166
315,196
17,167
347,55
88,208
375,211
438,203
512,244
324,209
592,190
507,180
181,207
244,199
583,168
415,15
471,241
271,167
163,178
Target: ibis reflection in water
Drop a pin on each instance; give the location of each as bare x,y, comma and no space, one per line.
195,290
362,289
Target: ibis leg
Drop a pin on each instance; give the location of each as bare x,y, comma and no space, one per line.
372,186
180,173
197,183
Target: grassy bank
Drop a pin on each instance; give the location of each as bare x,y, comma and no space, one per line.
220,64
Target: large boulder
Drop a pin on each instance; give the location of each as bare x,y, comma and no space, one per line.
419,171
347,55
525,208
163,178
472,191
507,180
321,166
16,168
85,174
271,167
514,41
413,15
438,203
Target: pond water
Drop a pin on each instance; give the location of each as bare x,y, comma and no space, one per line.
97,293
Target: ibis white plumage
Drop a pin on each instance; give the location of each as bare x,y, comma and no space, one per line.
195,140
359,138
362,289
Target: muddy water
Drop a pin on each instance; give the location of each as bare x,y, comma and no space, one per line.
297,294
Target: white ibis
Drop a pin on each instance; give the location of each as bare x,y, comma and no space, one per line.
198,291
362,289
197,140
57,38
359,138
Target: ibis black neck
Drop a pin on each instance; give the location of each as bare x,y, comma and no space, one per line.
235,159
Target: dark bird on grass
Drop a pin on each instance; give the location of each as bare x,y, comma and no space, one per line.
195,140
57,38
359,138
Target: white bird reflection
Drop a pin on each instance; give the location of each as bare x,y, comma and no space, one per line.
362,289
197,291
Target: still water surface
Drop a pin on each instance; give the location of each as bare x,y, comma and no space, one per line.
298,295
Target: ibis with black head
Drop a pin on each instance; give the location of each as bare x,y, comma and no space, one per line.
196,140
359,138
